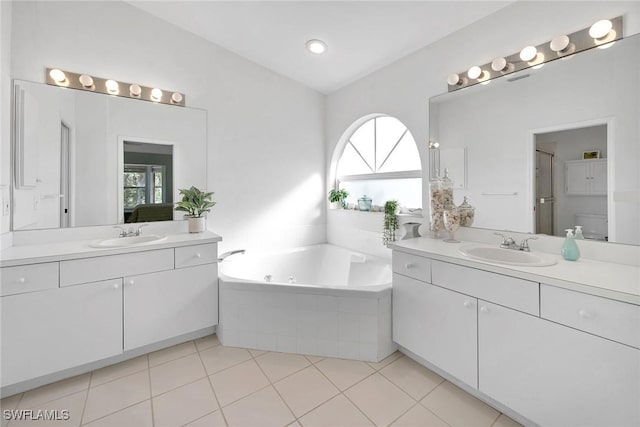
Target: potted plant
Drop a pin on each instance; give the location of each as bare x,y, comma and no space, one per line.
390,222
195,203
339,196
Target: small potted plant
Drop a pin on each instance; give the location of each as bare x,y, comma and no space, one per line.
195,203
339,196
390,222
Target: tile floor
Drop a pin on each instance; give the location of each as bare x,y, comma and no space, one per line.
202,383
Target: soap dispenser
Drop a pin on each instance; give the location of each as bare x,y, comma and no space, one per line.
570,250
579,235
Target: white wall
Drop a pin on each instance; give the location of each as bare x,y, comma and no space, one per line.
266,161
5,107
403,88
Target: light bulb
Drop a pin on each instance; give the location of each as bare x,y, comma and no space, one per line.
57,75
528,53
86,81
559,43
156,94
474,72
453,79
135,90
499,64
316,46
112,86
176,97
600,29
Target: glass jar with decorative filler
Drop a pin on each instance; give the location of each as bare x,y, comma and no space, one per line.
364,203
467,213
435,207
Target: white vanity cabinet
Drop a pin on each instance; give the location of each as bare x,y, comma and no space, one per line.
56,329
586,177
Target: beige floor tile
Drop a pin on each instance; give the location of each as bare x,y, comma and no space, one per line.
264,408
218,358
344,373
115,395
256,353
380,400
411,377
305,390
119,370
279,365
214,419
504,421
458,408
54,391
8,403
184,404
72,403
207,342
294,424
419,416
176,373
336,412
314,359
171,353
238,381
384,362
138,415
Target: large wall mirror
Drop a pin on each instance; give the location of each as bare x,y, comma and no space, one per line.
546,149
84,159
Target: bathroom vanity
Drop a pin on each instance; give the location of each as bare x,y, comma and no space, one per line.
555,345
68,307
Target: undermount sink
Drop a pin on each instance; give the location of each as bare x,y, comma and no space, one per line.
119,242
507,256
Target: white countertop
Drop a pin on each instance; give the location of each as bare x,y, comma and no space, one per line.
616,281
60,251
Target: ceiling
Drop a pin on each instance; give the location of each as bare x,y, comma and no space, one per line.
362,36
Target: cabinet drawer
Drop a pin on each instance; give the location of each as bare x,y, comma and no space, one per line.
615,320
85,270
28,278
413,266
519,294
190,256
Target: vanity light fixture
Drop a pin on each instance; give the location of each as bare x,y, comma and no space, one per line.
86,81
316,46
57,77
602,35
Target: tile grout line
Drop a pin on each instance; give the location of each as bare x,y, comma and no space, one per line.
86,399
153,417
272,384
215,396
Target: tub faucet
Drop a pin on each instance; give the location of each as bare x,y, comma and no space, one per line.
228,254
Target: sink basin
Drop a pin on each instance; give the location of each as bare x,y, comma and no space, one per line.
506,256
120,242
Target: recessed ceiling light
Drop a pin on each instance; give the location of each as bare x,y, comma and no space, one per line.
316,46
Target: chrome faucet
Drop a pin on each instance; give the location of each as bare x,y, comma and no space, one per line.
509,243
228,254
130,232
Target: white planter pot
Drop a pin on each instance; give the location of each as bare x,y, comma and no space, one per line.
197,224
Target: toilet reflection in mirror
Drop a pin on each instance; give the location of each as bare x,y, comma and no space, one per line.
569,189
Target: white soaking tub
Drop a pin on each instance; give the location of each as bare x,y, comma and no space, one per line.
319,300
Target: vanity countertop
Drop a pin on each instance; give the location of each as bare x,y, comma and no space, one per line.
60,251
616,281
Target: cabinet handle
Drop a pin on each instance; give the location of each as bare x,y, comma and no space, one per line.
409,265
198,255
584,314
116,286
484,309
22,280
468,304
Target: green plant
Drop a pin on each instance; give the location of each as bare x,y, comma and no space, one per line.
195,202
390,222
338,196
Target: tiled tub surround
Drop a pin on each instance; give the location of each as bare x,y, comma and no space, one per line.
339,305
556,345
68,308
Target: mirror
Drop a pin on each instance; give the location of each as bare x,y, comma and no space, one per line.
77,156
546,149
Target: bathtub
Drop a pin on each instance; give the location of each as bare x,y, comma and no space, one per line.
318,300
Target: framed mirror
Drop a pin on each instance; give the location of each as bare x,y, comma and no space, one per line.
546,149
85,159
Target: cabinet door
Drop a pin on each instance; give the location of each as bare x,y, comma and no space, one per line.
555,375
598,178
163,305
48,331
576,176
438,325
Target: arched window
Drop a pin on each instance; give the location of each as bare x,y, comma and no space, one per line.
380,159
